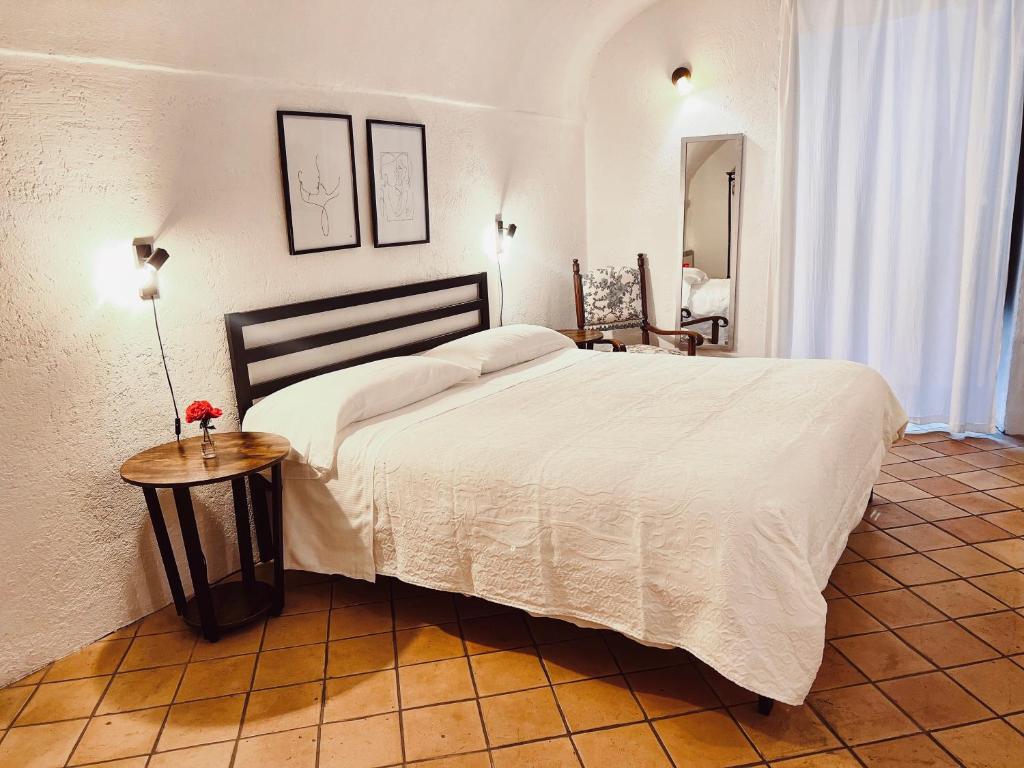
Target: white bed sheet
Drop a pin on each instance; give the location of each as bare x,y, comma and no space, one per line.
692,502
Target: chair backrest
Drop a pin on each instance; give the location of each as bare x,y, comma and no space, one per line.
608,298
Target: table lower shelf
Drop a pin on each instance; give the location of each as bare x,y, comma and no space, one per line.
234,604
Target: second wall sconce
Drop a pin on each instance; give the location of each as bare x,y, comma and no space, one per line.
682,80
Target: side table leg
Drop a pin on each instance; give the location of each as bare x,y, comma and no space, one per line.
242,528
275,503
163,541
196,563
261,519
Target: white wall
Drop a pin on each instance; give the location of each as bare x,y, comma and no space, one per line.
138,126
635,120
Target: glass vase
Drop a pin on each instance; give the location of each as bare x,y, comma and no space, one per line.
207,446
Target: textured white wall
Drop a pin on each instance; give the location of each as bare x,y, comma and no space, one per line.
93,153
635,120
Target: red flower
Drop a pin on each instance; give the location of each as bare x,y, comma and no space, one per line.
201,411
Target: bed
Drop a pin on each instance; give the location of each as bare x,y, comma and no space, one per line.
699,503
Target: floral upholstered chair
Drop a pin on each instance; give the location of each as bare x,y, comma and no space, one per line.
613,298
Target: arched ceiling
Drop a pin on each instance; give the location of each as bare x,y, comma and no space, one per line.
527,55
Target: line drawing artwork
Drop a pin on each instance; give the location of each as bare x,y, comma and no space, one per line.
396,194
320,197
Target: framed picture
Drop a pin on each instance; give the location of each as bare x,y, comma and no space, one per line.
398,182
318,166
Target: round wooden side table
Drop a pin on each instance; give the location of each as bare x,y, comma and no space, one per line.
180,466
582,339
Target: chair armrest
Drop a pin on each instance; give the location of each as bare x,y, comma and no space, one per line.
717,323
617,346
662,332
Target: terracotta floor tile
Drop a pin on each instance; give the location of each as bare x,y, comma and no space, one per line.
837,758
1010,453
307,599
11,702
972,530
958,598
546,630
917,750
1013,496
846,618
899,492
978,503
445,729
1008,587
495,633
787,732
946,465
300,629
597,703
360,654
237,642
908,470
99,658
874,544
163,650
33,678
1010,471
941,486
934,701
356,591
522,716
1011,521
914,569
992,744
65,700
968,561
934,509
40,746
202,722
981,480
207,756
435,682
422,611
1003,631
554,753
605,749
505,671
861,578
287,666
705,740
281,709
111,737
635,657
475,607
998,683
431,643
727,691
835,672
219,677
890,516
360,695
577,659
952,447
1010,551
830,592
672,691
466,760
925,537
861,714
292,749
915,452
358,620
372,742
899,608
164,620
986,460
882,655
946,644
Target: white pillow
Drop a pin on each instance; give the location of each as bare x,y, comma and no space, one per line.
498,348
312,413
694,276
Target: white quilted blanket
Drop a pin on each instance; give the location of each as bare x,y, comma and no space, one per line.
691,502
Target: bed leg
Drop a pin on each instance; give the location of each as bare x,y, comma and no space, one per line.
764,705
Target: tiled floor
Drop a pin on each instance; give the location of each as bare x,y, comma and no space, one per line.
924,666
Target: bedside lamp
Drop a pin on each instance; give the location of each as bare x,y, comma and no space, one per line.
504,241
150,261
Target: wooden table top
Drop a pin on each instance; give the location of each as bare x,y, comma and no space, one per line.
182,464
582,337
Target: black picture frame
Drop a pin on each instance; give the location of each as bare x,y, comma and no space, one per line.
282,115
377,239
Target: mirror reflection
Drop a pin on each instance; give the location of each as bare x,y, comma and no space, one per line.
712,167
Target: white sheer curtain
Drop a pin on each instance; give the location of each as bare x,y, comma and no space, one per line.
900,134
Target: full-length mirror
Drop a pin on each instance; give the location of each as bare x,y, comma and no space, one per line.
712,168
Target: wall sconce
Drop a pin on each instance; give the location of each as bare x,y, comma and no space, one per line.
504,241
150,261
682,80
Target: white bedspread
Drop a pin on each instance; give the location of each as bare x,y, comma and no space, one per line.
692,502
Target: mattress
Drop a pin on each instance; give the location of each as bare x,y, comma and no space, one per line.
698,502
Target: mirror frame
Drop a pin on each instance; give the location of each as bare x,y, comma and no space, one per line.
730,346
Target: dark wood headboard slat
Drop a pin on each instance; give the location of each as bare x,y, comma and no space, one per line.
291,346
265,388
241,357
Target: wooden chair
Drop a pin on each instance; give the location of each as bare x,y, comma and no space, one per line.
613,298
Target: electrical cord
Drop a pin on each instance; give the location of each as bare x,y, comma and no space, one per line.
167,373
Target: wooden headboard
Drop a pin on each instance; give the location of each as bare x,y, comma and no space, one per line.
274,347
